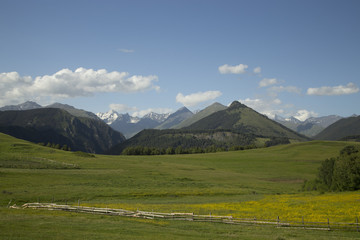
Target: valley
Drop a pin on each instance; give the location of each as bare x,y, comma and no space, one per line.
238,183
242,164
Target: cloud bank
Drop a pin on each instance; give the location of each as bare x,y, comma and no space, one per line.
68,84
270,107
237,69
257,70
350,88
196,98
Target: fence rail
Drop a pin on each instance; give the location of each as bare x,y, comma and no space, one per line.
327,225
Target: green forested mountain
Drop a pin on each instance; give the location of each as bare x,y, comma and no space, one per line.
240,118
200,115
53,125
341,129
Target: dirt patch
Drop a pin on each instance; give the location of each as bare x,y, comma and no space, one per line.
284,180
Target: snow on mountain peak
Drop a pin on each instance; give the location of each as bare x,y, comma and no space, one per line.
108,117
157,116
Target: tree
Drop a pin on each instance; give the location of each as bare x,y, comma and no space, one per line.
179,150
326,170
170,150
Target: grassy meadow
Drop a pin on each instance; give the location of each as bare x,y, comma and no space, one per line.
262,183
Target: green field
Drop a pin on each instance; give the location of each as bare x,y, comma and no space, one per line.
216,182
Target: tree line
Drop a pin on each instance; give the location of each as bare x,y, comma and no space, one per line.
141,150
64,147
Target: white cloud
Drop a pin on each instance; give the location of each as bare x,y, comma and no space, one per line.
257,70
142,113
350,88
269,107
66,84
121,107
290,89
237,69
124,50
267,82
196,98
304,114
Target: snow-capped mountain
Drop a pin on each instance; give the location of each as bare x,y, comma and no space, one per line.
129,125
157,116
112,116
108,117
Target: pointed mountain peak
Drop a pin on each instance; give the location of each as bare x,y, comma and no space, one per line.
183,110
236,104
216,104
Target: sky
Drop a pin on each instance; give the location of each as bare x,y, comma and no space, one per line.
280,57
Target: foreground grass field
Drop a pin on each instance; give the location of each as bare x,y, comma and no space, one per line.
257,183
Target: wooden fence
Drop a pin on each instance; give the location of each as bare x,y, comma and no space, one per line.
326,225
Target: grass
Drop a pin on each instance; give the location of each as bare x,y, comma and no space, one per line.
38,224
241,183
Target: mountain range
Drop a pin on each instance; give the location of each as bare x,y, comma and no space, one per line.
234,126
129,125
216,125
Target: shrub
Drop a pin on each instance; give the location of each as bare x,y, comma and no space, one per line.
338,174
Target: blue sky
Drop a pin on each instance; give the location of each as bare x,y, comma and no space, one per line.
291,58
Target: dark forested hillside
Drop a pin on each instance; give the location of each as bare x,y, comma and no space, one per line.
341,129
53,125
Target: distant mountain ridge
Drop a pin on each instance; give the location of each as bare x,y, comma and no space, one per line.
33,105
73,111
215,107
23,106
175,118
311,126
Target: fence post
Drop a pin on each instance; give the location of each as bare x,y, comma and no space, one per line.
9,203
328,223
302,219
357,224
278,221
